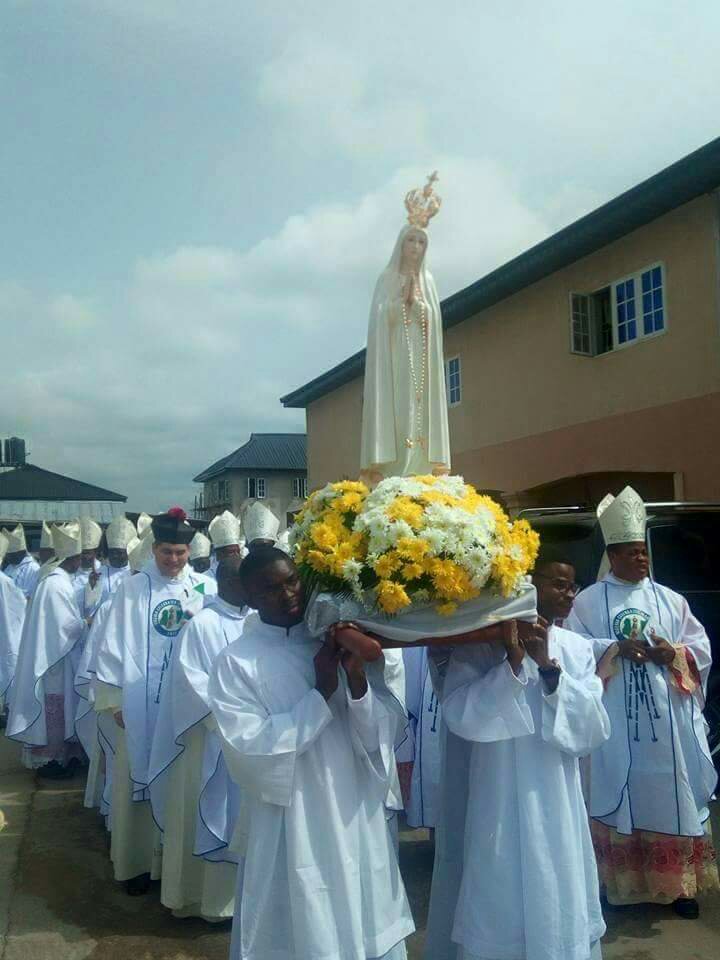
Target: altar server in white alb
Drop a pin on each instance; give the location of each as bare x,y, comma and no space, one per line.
651,783
224,532
194,801
515,875
12,616
146,615
19,565
103,583
260,525
91,537
200,550
310,742
43,702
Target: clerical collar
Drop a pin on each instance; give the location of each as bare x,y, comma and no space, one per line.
229,608
180,578
297,632
625,583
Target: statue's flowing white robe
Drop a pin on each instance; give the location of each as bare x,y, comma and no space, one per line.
25,574
390,404
13,605
47,660
194,801
655,772
321,878
146,614
515,873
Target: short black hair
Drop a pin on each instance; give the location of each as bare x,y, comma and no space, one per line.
258,560
550,555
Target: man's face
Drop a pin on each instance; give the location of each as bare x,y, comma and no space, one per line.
72,564
556,589
277,594
15,557
200,564
87,559
230,590
629,561
117,557
45,554
224,553
171,558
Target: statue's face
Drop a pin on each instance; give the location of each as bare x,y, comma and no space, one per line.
414,246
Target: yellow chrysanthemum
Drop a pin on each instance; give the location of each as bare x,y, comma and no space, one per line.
392,596
446,609
412,571
413,549
406,509
388,564
323,536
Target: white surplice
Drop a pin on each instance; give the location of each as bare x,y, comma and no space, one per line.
515,875
146,614
47,660
194,800
24,574
94,739
321,879
423,709
13,605
655,773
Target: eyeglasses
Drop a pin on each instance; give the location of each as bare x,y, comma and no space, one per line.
557,583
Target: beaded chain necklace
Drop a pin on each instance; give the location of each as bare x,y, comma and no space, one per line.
418,382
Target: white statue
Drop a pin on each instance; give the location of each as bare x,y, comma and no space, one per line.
405,422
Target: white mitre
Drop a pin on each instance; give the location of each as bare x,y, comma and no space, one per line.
139,551
283,542
119,533
623,519
67,540
16,539
3,547
144,522
224,530
200,546
91,533
46,542
260,523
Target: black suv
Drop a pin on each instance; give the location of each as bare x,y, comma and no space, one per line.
684,547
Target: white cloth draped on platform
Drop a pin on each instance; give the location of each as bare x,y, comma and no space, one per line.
321,878
12,616
655,773
513,827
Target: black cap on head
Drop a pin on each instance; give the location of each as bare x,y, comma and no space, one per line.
172,527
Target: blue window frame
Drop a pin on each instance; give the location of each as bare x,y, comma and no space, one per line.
653,301
626,310
454,381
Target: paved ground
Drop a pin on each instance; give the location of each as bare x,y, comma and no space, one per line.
58,899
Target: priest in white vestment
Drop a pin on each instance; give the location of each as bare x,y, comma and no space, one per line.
194,801
226,538
515,875
91,537
101,585
12,616
200,550
43,702
651,783
309,737
19,565
147,613
260,525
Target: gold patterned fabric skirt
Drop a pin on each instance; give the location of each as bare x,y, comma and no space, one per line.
650,867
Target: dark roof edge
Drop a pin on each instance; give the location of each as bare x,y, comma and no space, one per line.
682,181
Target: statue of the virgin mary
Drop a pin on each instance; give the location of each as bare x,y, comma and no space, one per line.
405,422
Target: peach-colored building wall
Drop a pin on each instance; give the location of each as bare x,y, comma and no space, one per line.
533,412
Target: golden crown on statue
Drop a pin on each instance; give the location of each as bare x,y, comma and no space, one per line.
422,205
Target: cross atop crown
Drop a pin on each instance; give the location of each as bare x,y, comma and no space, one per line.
422,205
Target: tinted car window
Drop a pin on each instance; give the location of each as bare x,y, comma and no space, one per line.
686,552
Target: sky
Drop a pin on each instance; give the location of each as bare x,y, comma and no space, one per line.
197,198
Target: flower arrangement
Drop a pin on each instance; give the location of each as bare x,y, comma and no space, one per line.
411,541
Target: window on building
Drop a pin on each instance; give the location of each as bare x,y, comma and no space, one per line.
299,488
223,491
453,379
619,315
256,488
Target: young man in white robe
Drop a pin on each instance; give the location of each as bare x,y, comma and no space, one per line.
43,701
146,614
308,734
515,875
225,535
12,616
651,783
19,565
194,801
